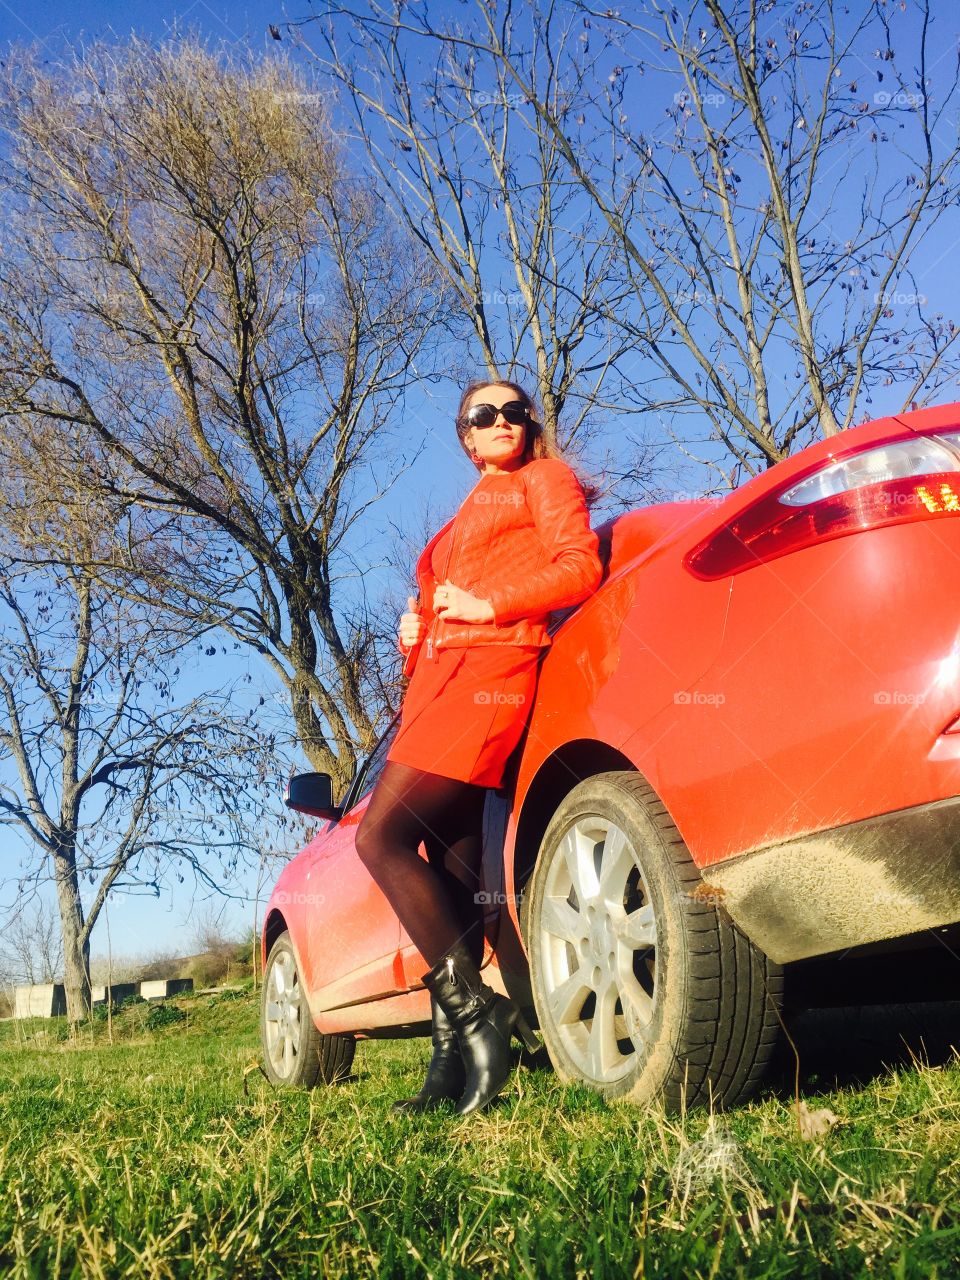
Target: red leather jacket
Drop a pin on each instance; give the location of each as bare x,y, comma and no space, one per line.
521,540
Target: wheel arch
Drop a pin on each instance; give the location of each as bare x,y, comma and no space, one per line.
564,769
273,926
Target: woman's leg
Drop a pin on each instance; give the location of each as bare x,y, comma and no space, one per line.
409,806
455,850
434,900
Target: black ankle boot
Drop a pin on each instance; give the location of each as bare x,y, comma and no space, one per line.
445,1074
484,1022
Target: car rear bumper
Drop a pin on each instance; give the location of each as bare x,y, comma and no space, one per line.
878,878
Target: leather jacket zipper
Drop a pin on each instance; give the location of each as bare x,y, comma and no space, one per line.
431,647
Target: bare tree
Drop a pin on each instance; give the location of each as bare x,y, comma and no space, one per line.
217,945
490,198
111,772
194,278
767,236
31,950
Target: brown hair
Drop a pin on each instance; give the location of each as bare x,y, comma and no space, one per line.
537,445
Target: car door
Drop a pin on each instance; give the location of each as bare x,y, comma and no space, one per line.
353,944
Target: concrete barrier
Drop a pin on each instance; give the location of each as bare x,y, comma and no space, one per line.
160,988
48,999
119,991
44,1000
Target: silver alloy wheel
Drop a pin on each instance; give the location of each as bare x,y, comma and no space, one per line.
644,989
283,1012
598,949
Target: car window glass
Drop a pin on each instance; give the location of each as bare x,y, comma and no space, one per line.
371,769
377,760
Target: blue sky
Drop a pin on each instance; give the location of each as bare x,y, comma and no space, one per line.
61,21
441,474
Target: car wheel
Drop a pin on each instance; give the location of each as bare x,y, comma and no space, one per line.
643,987
294,1051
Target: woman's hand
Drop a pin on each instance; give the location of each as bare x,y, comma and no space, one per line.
412,626
452,604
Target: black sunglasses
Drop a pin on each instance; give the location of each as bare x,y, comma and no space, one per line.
516,412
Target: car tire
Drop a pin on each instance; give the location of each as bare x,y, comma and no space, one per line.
294,1051
644,988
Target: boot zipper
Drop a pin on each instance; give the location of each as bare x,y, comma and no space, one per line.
475,1000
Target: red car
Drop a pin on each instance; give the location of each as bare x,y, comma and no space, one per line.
744,751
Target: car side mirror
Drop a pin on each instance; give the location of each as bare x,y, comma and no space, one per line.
312,793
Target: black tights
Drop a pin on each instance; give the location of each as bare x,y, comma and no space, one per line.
436,900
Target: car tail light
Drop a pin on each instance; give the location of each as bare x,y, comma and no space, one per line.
911,478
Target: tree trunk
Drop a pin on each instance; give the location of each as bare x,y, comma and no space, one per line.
76,947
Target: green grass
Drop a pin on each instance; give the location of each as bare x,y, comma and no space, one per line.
168,1154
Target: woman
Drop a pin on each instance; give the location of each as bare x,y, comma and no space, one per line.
520,546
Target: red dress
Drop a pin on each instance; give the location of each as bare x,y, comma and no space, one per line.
465,709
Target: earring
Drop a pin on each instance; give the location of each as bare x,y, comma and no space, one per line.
475,458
